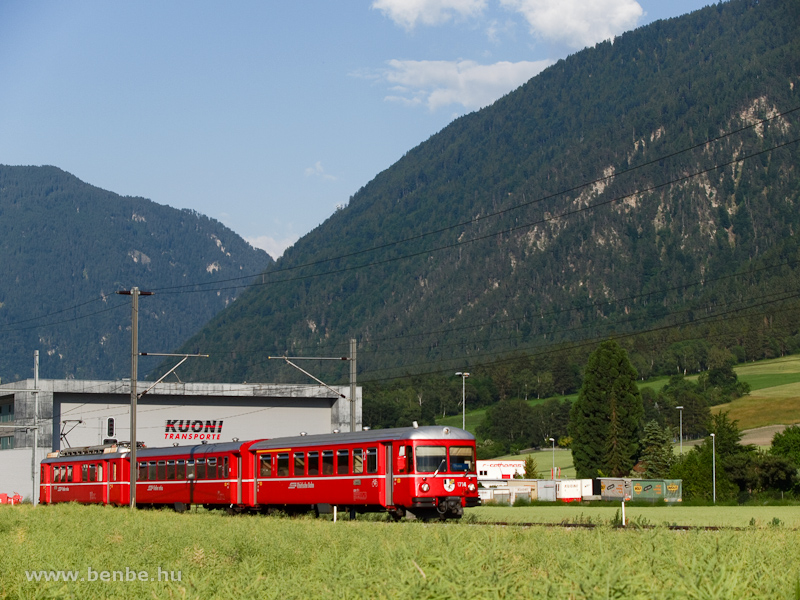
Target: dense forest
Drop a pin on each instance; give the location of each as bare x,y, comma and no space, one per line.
644,189
66,247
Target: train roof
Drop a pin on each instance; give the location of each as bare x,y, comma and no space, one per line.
113,451
433,432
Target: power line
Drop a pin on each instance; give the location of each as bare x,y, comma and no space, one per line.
166,290
474,220
505,231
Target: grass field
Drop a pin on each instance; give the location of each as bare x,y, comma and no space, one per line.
774,397
670,514
217,556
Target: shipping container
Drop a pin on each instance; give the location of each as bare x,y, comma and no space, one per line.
615,489
546,490
568,490
587,492
673,491
648,489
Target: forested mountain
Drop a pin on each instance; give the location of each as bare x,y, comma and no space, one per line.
66,247
585,204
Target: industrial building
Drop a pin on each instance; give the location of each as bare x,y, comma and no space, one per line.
74,413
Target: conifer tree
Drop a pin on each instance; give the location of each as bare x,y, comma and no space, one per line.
657,454
606,418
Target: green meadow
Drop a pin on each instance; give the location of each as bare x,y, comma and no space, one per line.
209,555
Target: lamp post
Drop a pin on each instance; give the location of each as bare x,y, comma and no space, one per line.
680,408
553,472
463,398
714,464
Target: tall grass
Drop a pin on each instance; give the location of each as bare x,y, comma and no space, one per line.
257,557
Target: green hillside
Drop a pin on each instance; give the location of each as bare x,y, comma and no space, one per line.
585,204
66,247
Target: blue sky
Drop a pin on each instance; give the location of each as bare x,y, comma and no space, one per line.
267,115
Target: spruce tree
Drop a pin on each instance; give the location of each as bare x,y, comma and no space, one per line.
606,418
657,454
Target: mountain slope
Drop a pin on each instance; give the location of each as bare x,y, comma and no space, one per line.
487,239
65,244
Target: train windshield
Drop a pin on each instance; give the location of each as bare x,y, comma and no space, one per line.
462,458
431,458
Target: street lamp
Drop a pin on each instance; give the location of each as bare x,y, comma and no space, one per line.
680,408
463,398
714,464
553,472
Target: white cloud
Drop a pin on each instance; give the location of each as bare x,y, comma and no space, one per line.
275,248
408,13
438,83
577,23
318,171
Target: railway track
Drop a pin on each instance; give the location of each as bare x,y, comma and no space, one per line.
594,525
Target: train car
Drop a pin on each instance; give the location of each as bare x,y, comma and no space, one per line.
90,475
426,471
177,476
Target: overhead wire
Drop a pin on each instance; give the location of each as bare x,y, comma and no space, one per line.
476,219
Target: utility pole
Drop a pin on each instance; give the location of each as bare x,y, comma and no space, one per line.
35,392
134,293
352,385
35,423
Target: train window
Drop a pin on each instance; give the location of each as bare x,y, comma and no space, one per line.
92,473
170,470
372,460
406,466
69,473
431,459
56,475
224,473
283,464
343,462
84,472
180,470
211,468
313,463
327,462
113,471
462,458
299,464
151,471
161,470
200,468
401,463
100,472
190,474
142,475
358,461
266,465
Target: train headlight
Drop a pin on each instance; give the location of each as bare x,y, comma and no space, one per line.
471,487
425,487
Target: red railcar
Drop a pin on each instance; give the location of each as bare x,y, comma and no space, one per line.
427,471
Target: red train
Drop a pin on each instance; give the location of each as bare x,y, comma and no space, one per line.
429,472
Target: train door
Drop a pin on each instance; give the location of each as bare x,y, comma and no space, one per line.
44,484
104,476
262,469
238,478
389,461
